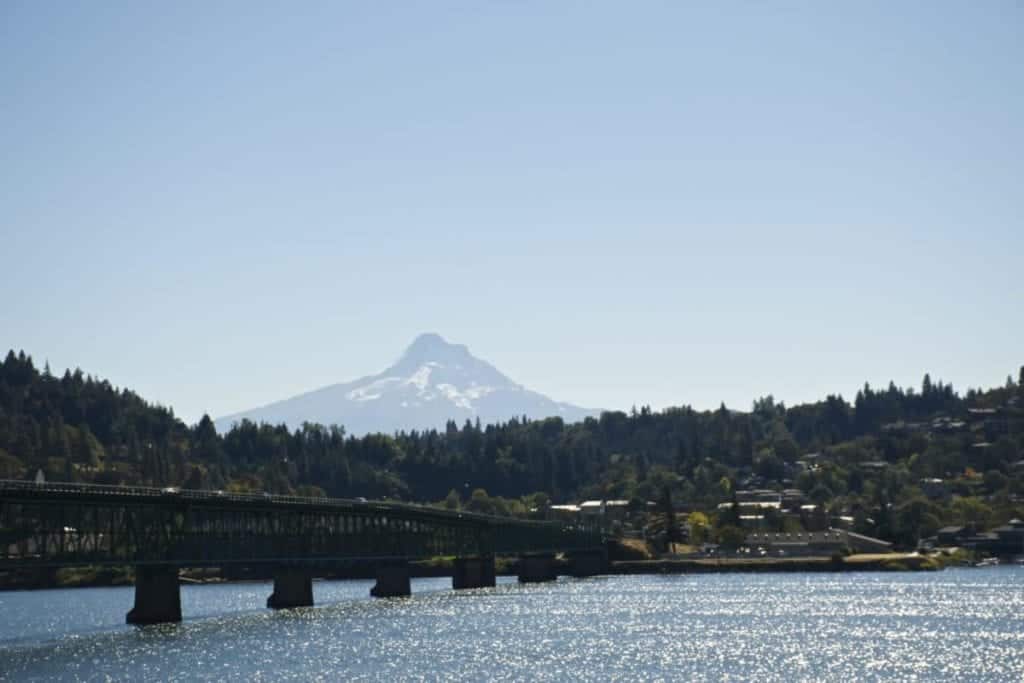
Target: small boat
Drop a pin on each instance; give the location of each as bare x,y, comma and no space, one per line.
987,562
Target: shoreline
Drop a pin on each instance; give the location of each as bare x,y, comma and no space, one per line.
853,563
96,577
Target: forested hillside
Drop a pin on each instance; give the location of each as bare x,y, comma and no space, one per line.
871,459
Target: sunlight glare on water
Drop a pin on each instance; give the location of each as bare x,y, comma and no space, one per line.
957,624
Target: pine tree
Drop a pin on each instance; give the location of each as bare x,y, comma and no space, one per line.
671,526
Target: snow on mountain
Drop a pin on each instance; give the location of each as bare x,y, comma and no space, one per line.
431,383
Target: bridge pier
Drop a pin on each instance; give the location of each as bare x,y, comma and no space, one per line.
537,568
473,572
292,588
588,563
392,581
157,595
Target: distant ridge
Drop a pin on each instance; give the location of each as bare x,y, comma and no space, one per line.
432,382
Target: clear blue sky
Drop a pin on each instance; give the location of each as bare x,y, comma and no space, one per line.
222,204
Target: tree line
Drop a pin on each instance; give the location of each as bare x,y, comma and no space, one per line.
75,427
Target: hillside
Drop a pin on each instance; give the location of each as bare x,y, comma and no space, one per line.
901,463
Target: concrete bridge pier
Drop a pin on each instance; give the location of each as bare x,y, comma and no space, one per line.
392,580
157,595
588,563
473,572
537,568
292,588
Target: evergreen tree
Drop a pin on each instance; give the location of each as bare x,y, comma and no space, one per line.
668,510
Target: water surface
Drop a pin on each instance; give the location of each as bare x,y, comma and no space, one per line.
953,625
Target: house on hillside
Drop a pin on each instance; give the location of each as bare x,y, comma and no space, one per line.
1006,540
792,499
842,522
809,462
947,424
903,428
753,504
813,517
949,536
935,489
1010,538
604,510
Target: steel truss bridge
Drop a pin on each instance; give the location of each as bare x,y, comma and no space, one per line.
60,525
158,531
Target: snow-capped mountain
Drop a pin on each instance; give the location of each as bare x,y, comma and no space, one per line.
431,383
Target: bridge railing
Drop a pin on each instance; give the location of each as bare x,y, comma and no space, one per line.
170,491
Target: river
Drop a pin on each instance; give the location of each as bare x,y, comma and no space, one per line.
960,624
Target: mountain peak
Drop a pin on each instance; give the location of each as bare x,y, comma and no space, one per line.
433,382
428,341
431,346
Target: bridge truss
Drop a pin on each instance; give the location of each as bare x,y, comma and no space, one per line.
55,525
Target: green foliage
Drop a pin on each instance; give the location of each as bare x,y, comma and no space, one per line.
621,550
699,527
916,519
94,576
731,536
873,454
10,467
484,504
971,510
820,494
672,534
310,491
995,481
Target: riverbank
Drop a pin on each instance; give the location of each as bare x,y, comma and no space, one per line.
886,562
88,577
